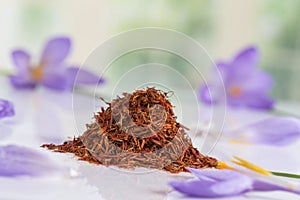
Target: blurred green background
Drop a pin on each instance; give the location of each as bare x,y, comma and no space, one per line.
222,27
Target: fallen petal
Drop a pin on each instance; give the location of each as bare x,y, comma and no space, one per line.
273,131
195,188
23,161
6,108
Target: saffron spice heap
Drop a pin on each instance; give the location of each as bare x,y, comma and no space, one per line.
137,130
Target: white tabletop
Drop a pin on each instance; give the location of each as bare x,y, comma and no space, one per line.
44,117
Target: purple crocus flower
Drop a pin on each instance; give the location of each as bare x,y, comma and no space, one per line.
244,84
23,161
6,108
278,131
212,183
51,72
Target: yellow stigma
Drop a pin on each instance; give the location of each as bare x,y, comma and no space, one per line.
250,166
243,163
37,73
223,165
235,91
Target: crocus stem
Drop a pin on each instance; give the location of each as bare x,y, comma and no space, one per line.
286,175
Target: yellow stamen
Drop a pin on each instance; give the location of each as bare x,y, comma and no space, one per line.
223,165
250,166
37,73
235,91
266,174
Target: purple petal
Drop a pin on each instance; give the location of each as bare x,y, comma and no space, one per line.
22,161
21,59
205,95
260,102
228,181
56,50
78,76
224,183
215,174
55,82
256,82
245,85
6,108
254,89
224,70
274,131
195,188
22,82
233,186
259,185
214,91
255,101
244,63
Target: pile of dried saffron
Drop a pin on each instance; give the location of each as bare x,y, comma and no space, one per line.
137,130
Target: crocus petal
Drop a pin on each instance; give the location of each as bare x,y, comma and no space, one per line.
259,185
236,186
254,101
255,83
273,131
22,82
245,85
22,79
254,91
78,76
228,182
22,161
6,108
259,102
215,183
215,174
222,70
213,92
224,183
21,59
55,82
244,62
195,188
205,95
56,50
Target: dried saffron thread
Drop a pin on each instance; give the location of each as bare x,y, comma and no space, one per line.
137,130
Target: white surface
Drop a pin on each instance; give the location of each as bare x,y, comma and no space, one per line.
44,117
